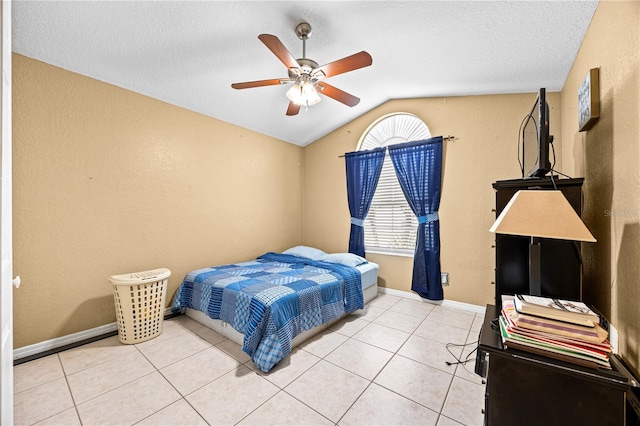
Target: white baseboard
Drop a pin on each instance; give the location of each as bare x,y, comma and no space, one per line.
447,303
58,342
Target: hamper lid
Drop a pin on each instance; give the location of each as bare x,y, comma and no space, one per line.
141,277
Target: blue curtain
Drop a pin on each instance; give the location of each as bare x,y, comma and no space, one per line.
418,167
363,173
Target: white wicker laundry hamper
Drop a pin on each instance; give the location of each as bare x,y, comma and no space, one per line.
139,299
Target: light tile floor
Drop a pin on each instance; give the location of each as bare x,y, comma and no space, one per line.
384,365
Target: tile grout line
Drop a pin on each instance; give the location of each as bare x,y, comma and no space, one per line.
311,408
252,371
324,358
282,389
155,368
73,399
184,397
438,413
110,390
453,376
39,384
371,382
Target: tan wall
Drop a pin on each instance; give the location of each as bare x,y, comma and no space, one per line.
608,156
107,181
486,150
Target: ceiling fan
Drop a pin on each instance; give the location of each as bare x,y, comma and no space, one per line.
306,75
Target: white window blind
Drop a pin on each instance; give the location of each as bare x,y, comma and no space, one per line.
390,226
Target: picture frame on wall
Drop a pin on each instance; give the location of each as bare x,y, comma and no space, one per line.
589,100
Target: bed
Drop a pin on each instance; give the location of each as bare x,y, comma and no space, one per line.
273,303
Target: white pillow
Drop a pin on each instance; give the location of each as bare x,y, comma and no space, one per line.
348,259
304,251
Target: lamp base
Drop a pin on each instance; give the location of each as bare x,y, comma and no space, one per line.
535,287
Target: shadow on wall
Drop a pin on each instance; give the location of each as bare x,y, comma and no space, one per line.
627,295
99,307
598,195
382,282
627,288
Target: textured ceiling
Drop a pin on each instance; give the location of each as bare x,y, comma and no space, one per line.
189,53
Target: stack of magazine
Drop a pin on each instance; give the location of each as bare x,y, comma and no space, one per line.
561,329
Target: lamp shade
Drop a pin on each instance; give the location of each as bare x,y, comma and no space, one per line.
541,213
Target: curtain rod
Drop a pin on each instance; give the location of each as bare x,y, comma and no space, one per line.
445,138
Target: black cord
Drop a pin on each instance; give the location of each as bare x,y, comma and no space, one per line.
521,138
458,360
521,132
562,174
553,149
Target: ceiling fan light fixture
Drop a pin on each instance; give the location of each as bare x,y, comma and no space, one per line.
303,93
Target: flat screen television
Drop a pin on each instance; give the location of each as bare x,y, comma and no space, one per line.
536,139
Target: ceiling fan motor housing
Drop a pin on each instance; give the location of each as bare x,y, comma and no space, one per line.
307,66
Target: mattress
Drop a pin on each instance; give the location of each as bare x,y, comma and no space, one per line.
369,274
369,279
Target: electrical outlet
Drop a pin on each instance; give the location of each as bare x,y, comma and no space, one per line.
444,278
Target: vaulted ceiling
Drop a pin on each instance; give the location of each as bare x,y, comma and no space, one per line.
189,53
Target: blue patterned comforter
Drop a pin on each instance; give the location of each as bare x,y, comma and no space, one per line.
272,299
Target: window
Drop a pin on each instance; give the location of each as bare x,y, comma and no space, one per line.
390,226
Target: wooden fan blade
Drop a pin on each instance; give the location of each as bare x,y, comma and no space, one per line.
275,45
337,94
350,63
259,83
293,109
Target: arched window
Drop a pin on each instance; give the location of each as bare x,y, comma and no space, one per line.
390,226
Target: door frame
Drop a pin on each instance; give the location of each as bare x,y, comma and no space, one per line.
6,224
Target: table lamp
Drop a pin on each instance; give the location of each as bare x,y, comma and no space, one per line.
540,214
